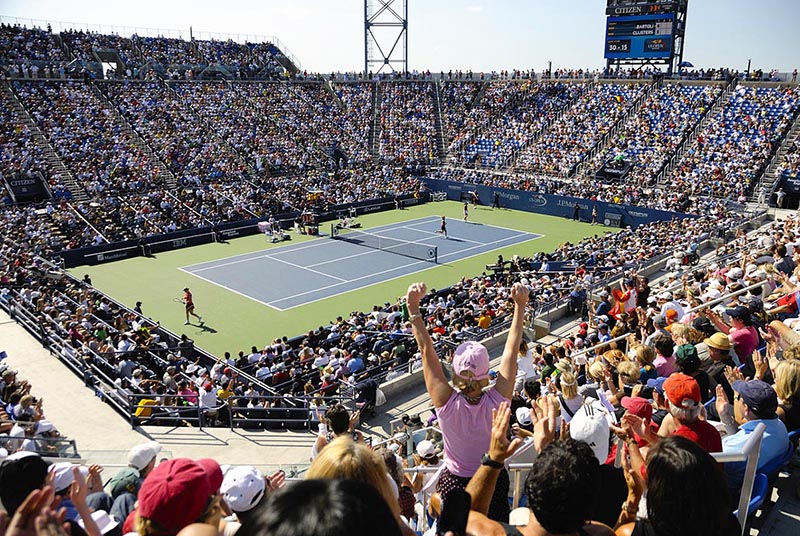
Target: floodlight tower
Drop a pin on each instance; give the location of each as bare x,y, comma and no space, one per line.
385,33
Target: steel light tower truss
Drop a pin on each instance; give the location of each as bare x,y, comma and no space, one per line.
385,35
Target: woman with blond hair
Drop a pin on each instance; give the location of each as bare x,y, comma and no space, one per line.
644,356
787,386
344,459
568,399
464,409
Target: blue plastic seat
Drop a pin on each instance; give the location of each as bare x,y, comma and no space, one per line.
760,490
772,467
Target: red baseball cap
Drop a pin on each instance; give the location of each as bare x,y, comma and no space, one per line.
177,491
682,390
638,406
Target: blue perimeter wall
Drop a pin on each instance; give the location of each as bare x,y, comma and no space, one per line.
552,205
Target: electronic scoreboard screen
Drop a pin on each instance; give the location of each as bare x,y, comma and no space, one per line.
639,37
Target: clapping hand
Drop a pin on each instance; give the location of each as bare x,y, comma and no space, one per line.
761,363
633,479
35,516
544,423
500,448
722,403
733,374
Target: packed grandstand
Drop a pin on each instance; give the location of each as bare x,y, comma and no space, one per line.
187,134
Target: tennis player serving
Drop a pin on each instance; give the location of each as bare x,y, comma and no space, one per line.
189,303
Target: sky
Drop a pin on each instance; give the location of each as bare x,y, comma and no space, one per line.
482,35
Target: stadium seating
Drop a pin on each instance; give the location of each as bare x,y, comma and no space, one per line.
507,117
732,149
19,44
407,123
567,140
650,137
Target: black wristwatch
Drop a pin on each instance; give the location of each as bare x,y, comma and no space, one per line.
486,460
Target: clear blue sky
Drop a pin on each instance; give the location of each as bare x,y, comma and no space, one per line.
469,34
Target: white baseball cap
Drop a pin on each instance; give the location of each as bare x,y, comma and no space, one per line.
103,521
523,415
425,448
140,456
63,475
242,487
590,426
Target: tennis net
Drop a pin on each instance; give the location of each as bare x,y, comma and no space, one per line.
384,243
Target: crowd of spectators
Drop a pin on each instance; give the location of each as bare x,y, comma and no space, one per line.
88,137
82,44
790,165
655,381
280,127
456,100
23,424
653,134
568,139
733,147
168,50
584,187
507,117
19,44
355,118
407,123
168,124
18,152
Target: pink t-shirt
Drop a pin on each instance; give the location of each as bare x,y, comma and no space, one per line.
664,365
745,341
467,430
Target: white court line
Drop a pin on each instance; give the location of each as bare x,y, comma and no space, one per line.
395,269
321,241
337,259
306,269
449,236
229,289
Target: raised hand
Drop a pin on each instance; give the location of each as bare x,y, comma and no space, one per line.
633,479
415,293
544,423
500,448
633,424
276,480
761,363
733,374
520,294
722,400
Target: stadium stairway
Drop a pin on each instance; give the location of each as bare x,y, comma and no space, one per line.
329,88
476,101
611,135
375,129
770,177
437,115
53,161
512,160
690,139
164,174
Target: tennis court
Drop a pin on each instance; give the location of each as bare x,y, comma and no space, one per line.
298,274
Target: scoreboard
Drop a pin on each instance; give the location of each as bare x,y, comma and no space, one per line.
639,36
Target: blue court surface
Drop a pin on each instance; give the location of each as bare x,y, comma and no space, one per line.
294,275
